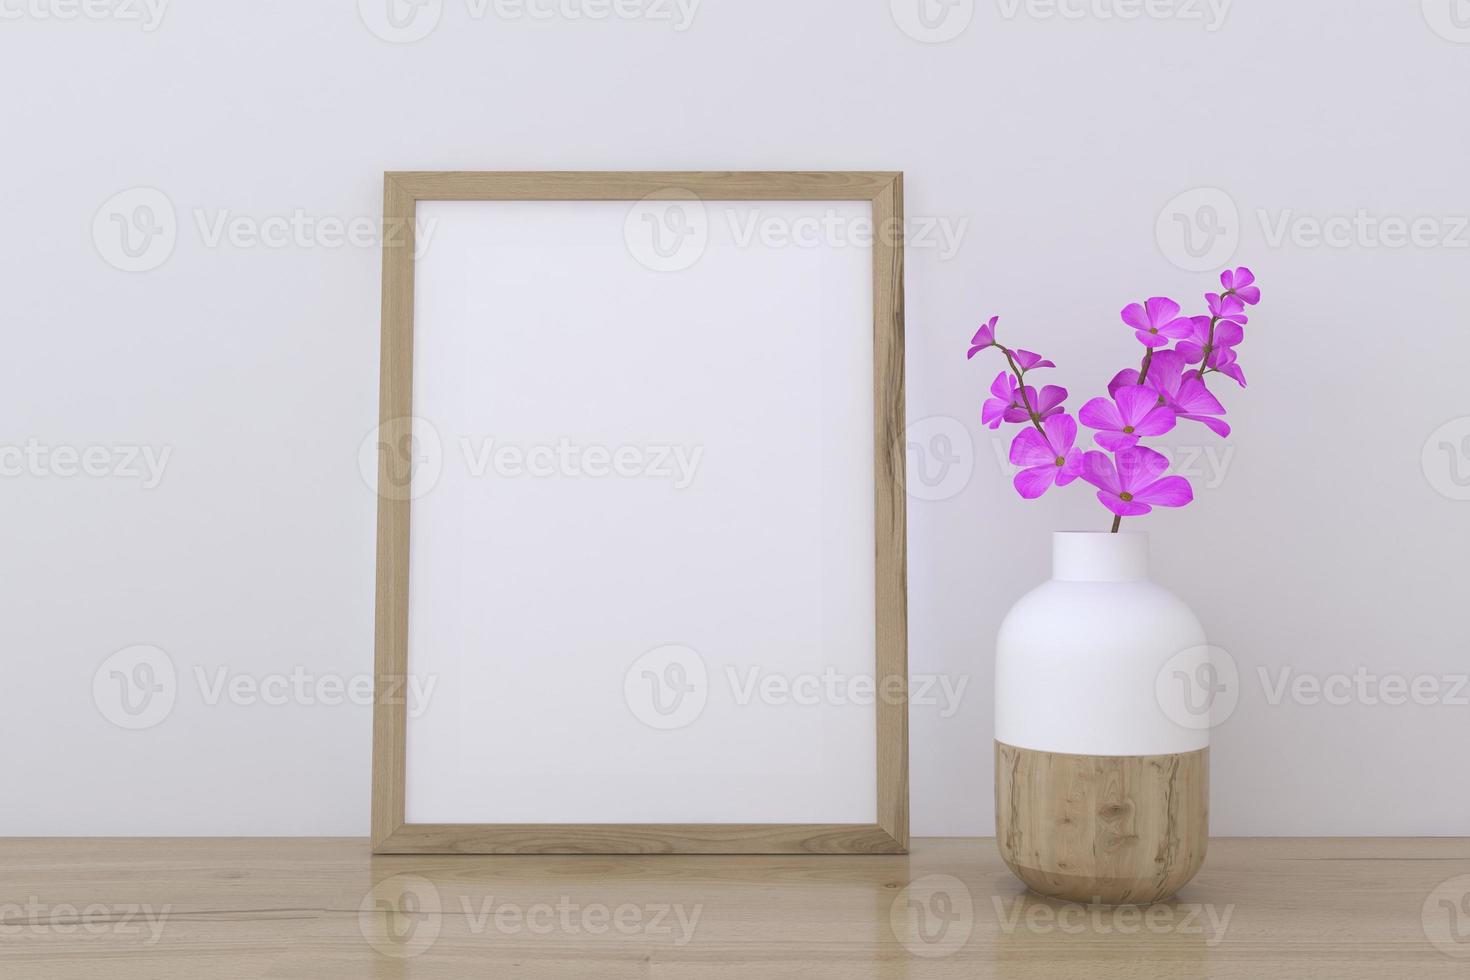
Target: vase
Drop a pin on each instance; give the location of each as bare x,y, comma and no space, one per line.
1101,756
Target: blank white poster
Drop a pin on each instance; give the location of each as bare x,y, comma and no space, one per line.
642,539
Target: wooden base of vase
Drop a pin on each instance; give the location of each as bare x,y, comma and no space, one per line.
1117,830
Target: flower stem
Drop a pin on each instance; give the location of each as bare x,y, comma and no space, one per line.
1204,365
1117,519
1025,402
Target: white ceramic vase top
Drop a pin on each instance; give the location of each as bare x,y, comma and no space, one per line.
1085,662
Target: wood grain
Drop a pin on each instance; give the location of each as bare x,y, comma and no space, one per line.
633,185
390,831
327,909
1113,829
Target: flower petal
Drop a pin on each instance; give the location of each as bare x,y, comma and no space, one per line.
1050,398
1228,334
1136,402
1165,369
1151,339
1071,469
1219,427
1029,449
1003,387
1127,376
1061,434
1232,370
1098,469
1171,491
1139,466
1035,481
1121,507
1196,399
1100,413
1115,441
1134,315
1155,422
1161,309
1026,360
1182,327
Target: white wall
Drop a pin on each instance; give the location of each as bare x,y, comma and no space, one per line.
1331,543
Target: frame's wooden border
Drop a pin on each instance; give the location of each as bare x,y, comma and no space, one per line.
390,833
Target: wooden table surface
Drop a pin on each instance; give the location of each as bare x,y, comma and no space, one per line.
319,909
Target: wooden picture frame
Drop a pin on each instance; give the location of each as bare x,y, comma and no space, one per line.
391,833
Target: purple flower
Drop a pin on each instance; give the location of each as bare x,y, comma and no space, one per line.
1217,354
1224,362
1007,405
1129,484
984,337
1240,281
993,412
1226,308
1046,460
1025,360
1187,396
1046,404
1156,322
1131,413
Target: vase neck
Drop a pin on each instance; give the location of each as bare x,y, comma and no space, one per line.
1086,556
